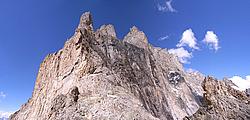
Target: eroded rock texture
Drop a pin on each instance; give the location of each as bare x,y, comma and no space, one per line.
194,81
222,102
96,76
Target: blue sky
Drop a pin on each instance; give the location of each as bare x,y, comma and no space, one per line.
31,29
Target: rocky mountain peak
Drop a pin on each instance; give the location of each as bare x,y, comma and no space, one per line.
107,30
96,76
136,37
86,22
134,29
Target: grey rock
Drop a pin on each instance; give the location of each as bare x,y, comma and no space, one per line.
86,22
194,81
106,30
222,102
137,38
248,92
96,76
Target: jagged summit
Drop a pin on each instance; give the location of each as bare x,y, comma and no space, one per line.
136,37
107,30
96,76
86,22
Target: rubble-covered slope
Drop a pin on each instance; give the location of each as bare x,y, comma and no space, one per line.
97,76
222,102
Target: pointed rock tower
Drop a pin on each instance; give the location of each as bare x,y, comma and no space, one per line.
96,76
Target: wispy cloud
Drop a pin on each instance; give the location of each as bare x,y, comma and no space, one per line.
2,95
163,38
188,39
191,70
5,114
166,7
182,54
212,40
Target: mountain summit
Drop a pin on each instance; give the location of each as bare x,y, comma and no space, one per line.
97,76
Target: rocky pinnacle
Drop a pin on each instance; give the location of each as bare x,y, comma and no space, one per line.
96,76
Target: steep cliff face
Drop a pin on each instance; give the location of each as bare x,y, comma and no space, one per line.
97,76
222,102
194,81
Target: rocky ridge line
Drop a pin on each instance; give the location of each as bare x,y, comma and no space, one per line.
97,76
222,102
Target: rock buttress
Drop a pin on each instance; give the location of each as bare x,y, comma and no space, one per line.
97,76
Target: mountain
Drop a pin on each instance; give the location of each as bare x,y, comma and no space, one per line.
97,76
222,102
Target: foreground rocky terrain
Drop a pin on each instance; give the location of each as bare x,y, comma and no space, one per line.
97,76
222,102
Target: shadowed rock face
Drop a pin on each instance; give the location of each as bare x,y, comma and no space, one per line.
97,76
222,102
248,92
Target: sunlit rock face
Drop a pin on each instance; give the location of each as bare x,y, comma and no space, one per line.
222,102
96,76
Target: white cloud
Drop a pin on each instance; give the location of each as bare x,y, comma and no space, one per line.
164,38
241,83
2,95
188,39
167,7
5,114
191,70
212,40
182,54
